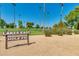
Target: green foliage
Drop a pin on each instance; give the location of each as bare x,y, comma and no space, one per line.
76,31
77,25
11,25
60,32
37,26
42,27
73,17
20,24
34,31
2,23
61,25
59,28
47,33
55,28
68,31
29,24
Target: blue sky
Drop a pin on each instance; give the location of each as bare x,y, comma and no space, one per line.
31,12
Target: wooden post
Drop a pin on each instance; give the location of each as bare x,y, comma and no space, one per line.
28,39
6,42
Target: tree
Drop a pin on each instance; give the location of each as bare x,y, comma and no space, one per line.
37,26
73,17
29,24
78,26
55,26
20,24
2,23
10,25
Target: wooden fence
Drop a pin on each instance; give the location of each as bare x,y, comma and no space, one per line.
13,36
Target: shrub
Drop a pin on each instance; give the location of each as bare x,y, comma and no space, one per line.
68,31
54,29
60,32
47,33
76,31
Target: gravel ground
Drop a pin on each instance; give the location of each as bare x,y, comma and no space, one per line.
66,45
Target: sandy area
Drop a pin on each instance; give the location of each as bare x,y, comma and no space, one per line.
42,46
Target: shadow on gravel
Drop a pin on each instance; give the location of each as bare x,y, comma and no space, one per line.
22,45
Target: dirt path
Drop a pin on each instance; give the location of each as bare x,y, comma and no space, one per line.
41,45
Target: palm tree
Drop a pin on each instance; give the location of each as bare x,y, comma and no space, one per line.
14,12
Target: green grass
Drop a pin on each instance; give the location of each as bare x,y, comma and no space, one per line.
34,31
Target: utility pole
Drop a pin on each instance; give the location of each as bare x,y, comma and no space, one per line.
0,11
61,11
19,16
44,10
14,12
45,13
